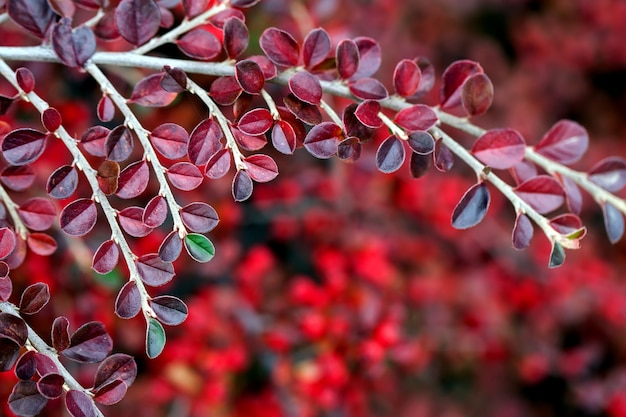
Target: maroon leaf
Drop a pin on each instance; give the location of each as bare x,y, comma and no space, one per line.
184,176
406,77
133,180
204,142
5,104
116,367
477,94
444,158
347,56
41,244
65,8
23,146
613,222
25,400
283,137
367,113
131,220
62,183
256,122
110,393
368,89
16,258
267,66
93,140
51,119
370,57
17,178
250,76
137,20
453,79
421,142
108,176
14,328
242,186
218,165
523,171
149,93
243,3
153,271
200,44
7,242
37,213
89,344
225,90
106,257
610,173
174,80
306,87
248,142
25,79
573,195
61,333
280,47
349,149
390,155
353,126
543,193
315,48
416,117
308,113
472,208
6,286
45,365
9,353
73,46
194,7
51,386
565,142
171,247
119,144
199,217
34,16
500,148
106,29
170,140
78,404
169,310
322,140
26,366
522,232
261,168
155,212
236,37
567,224
128,301
79,217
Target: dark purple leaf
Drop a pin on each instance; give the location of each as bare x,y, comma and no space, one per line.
477,94
78,404
261,168
45,365
35,16
543,193
61,333
368,89
23,146
256,122
37,213
93,140
280,47
119,144
63,182
283,137
306,87
174,80
41,244
444,158
565,142
195,7
79,217
51,386
155,338
323,139
169,310
153,271
73,46
353,125
199,217
171,247
522,232
128,301
116,367
137,20
225,90
613,222
7,242
242,186
367,113
155,212
500,148
200,44
5,104
421,142
25,400
170,140
610,173
9,353
347,56
390,155
25,79
149,93
106,257
131,221
14,328
349,149
17,178
51,119
105,109
218,165
106,29
34,298
26,366
472,208
236,37
416,117
369,57
185,176
250,76
133,180
315,48
110,393
406,77
306,112
267,66
453,79
89,344
204,142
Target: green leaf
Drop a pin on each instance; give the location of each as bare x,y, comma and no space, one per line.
199,247
155,338
557,257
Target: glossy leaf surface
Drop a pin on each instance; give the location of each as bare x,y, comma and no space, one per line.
500,148
89,344
472,208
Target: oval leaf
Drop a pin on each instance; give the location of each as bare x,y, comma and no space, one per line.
169,310
23,146
610,173
390,155
543,193
500,148
261,168
78,404
62,183
316,47
522,232
613,222
306,87
137,20
133,180
155,338
61,333
200,248
79,217
185,176
170,140
89,344
280,47
106,257
128,301
472,208
242,186
323,139
416,117
34,298
565,142
116,367
25,400
153,271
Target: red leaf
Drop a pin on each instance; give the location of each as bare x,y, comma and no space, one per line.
565,142
543,193
406,77
149,93
610,173
472,208
236,37
23,146
572,194
93,140
51,119
353,126
306,112
62,182
204,142
25,79
200,44
368,89
267,66
133,180
218,165
131,220
79,217
199,217
170,140
128,301
119,144
390,155
453,79
306,87
225,90
477,94
194,7
367,113
89,344
155,212
347,56
106,257
315,48
73,46
137,20
6,286
153,271
41,244
567,223
34,16
370,57
250,76
79,404
65,8
248,142
261,168
37,213
256,122
110,393
116,367
242,186
416,117
51,386
280,47
17,178
34,298
7,242
185,176
106,109
322,140
61,333
349,149
174,80
500,148
283,137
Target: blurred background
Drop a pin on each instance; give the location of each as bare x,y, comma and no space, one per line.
338,291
